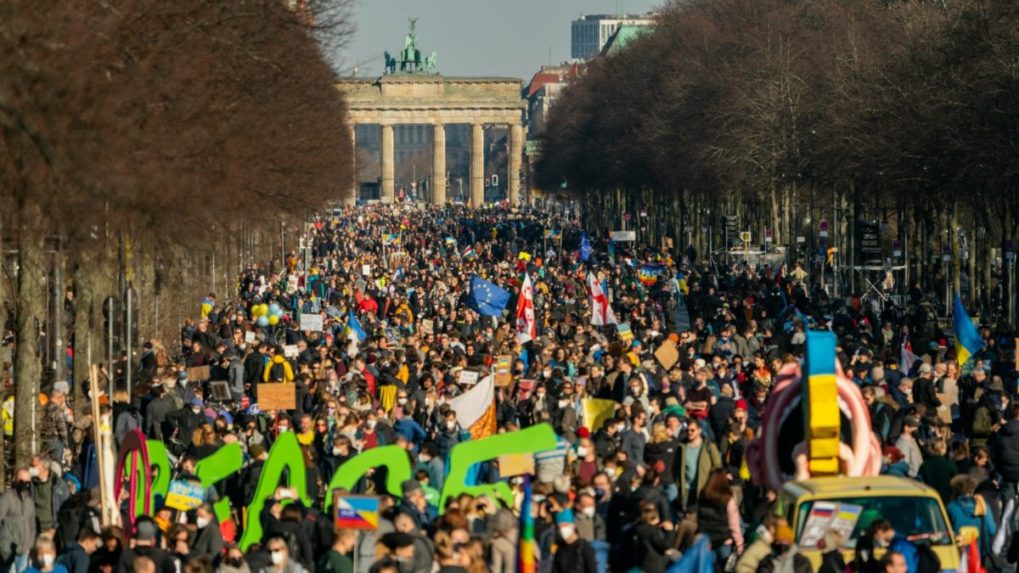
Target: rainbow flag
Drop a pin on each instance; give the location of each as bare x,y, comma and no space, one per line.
526,550
967,339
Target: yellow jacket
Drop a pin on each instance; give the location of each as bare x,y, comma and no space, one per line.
288,375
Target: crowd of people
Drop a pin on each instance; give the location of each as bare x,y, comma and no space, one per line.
666,466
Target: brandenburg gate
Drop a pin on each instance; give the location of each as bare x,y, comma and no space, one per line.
415,94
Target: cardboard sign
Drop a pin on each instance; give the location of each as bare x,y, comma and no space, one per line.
624,332
516,465
524,389
667,355
427,326
311,322
249,336
468,377
220,391
185,495
503,368
291,351
357,512
198,373
277,396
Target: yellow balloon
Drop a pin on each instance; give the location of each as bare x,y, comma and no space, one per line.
263,309
273,320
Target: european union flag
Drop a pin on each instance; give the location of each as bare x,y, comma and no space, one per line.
487,298
585,247
354,327
967,339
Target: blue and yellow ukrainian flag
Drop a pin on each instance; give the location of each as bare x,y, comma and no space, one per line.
967,338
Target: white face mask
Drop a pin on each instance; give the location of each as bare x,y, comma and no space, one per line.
33,471
337,451
588,511
582,451
567,531
277,557
47,560
284,429
201,522
401,401
450,425
371,424
564,403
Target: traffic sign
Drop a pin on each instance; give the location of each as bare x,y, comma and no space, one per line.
823,228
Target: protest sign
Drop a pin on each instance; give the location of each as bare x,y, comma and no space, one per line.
516,465
624,332
198,373
291,351
503,366
357,512
311,322
667,355
468,377
185,495
277,396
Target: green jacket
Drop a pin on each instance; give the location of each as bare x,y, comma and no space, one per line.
709,459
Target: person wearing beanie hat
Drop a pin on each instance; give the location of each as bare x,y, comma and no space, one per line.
573,554
784,554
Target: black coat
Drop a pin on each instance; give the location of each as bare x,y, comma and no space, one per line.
1005,451
651,544
576,557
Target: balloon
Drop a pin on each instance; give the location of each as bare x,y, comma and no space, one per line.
275,310
273,319
262,321
263,309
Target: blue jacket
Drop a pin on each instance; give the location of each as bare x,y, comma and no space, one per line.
960,513
411,430
908,550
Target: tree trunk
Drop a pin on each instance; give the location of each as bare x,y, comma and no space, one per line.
31,314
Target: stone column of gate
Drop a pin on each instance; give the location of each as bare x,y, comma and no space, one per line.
439,164
351,199
388,177
516,145
477,165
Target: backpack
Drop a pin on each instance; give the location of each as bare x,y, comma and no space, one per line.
277,373
927,560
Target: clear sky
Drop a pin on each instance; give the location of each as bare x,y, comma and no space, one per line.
474,37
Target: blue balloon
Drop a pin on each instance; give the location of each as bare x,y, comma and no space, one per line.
275,310
262,321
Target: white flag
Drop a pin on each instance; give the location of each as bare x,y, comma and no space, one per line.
526,329
601,310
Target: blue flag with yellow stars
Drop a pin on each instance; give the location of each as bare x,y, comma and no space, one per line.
486,298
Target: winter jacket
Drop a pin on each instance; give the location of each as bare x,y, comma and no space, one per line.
17,521
288,371
651,544
962,513
800,564
576,557
1005,451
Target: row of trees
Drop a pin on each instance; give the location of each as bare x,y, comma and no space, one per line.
901,111
148,140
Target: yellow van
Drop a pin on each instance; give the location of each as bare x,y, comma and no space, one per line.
914,510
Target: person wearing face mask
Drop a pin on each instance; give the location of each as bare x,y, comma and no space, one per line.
49,491
573,554
566,414
590,525
208,538
46,557
17,522
234,561
784,555
279,556
448,434
606,440
432,464
636,395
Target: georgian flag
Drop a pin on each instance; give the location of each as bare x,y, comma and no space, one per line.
601,310
526,328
